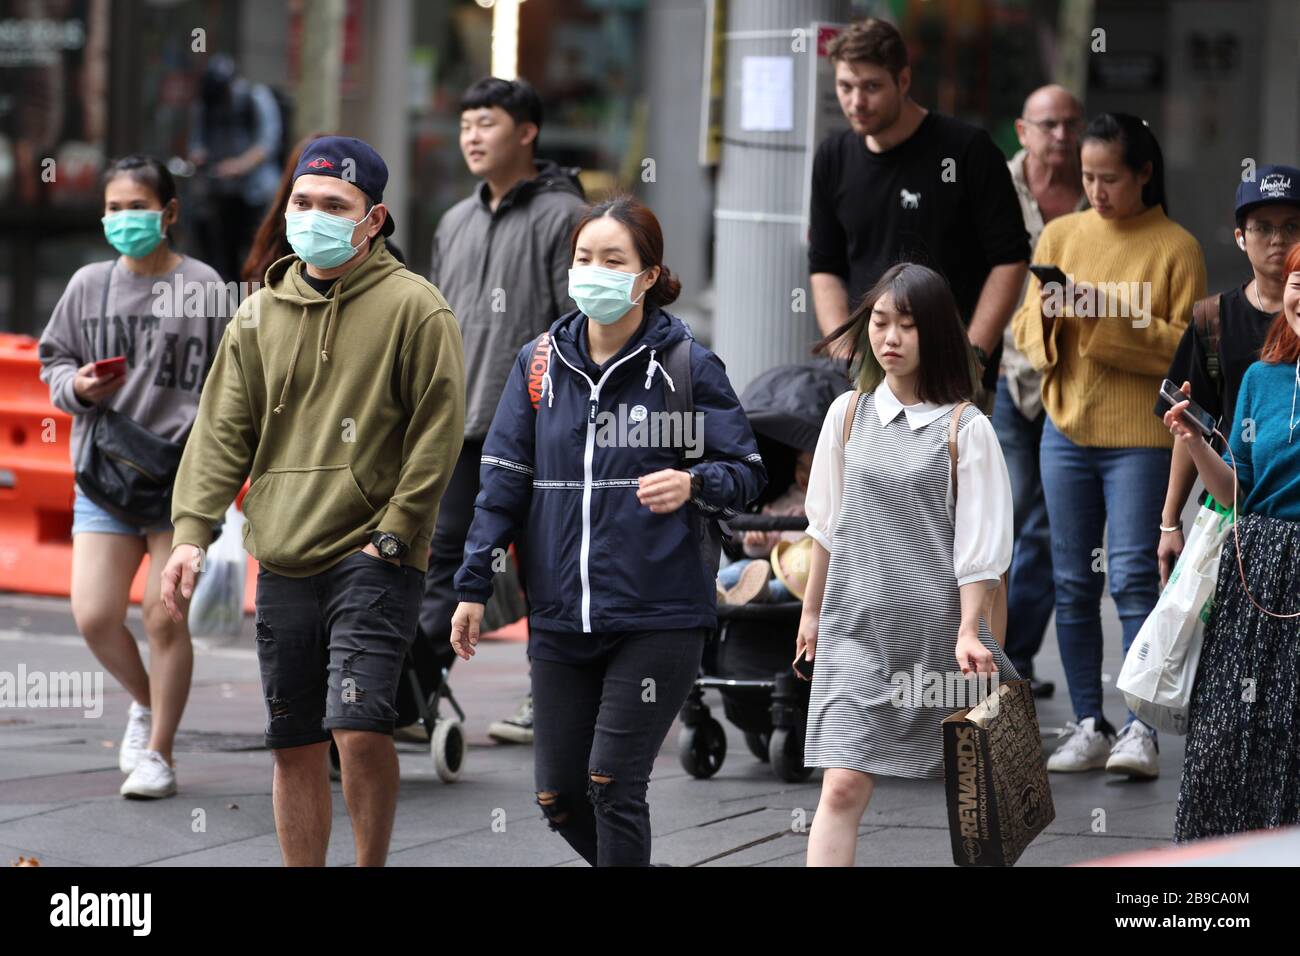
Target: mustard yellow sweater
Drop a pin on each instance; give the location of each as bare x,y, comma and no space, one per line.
1101,375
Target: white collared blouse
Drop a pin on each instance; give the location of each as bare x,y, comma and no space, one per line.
982,536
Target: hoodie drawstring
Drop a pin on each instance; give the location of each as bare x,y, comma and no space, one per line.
293,361
650,372
329,325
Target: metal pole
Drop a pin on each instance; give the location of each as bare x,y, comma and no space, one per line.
764,314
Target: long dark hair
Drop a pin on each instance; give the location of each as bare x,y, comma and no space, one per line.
269,243
1138,146
151,174
948,370
647,238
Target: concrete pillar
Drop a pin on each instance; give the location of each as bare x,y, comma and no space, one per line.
760,253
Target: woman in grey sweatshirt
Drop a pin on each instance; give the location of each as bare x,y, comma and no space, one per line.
163,313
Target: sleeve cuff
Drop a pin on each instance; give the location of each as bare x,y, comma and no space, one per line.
474,597
73,400
191,530
974,576
820,537
398,522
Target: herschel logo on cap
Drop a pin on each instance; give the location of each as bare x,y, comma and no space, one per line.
1275,185
320,162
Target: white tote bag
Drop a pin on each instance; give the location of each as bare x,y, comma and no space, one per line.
217,606
1160,666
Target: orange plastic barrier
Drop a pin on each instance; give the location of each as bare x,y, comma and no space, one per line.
36,483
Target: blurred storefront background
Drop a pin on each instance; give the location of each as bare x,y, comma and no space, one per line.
622,81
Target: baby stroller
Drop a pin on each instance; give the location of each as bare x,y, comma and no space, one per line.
748,658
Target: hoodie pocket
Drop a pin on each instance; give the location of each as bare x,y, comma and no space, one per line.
298,517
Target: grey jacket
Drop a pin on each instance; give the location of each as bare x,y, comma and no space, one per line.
506,276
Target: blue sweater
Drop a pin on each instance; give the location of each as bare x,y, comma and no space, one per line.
1268,468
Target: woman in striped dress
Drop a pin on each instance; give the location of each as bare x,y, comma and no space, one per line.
901,566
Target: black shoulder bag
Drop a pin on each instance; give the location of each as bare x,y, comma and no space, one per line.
123,467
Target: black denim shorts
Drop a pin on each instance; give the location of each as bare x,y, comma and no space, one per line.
331,647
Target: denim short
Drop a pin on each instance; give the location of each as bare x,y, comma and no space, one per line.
88,516
331,647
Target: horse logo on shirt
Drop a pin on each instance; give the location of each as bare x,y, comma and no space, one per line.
910,200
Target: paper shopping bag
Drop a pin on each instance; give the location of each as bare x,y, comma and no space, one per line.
995,778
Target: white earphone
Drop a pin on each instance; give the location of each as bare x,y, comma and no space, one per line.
1241,244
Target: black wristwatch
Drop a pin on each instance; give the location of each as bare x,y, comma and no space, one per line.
388,545
981,355
697,484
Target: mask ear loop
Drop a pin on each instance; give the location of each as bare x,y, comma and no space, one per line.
1236,536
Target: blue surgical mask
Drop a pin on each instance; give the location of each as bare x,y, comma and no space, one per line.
321,240
603,295
134,232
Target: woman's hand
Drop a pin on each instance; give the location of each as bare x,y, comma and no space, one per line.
663,492
1167,554
806,641
1181,429
92,390
465,625
972,656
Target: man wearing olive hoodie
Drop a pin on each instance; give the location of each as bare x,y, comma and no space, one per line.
339,390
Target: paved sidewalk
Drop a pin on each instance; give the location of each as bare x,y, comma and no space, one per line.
59,780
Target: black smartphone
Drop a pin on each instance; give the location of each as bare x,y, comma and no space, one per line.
1046,274
803,667
1198,417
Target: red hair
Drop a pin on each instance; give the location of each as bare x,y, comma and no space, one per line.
1282,347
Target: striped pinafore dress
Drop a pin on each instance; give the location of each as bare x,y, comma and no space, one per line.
891,607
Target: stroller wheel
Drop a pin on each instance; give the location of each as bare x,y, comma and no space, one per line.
758,744
702,748
785,750
447,748
336,768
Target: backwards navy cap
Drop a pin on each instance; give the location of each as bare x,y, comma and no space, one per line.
351,160
1280,184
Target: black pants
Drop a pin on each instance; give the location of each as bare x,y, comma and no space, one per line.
597,730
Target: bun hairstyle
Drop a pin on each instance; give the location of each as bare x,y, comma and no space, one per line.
647,239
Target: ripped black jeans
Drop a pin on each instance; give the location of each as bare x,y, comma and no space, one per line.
331,646
597,728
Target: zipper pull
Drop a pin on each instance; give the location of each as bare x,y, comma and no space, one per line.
592,407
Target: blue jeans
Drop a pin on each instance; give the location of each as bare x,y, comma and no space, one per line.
1088,490
1031,593
729,577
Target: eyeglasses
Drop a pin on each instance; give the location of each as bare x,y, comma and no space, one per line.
1050,125
1266,230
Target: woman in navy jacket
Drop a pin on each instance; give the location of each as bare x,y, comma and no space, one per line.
608,491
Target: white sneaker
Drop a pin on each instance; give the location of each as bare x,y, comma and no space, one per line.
139,725
152,778
1135,752
517,729
1085,749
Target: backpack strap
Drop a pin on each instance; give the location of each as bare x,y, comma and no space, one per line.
1205,320
953,425
850,412
539,368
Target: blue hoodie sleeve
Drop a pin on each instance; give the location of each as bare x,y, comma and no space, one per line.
505,486
731,470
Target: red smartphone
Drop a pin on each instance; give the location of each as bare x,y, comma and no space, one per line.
109,367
